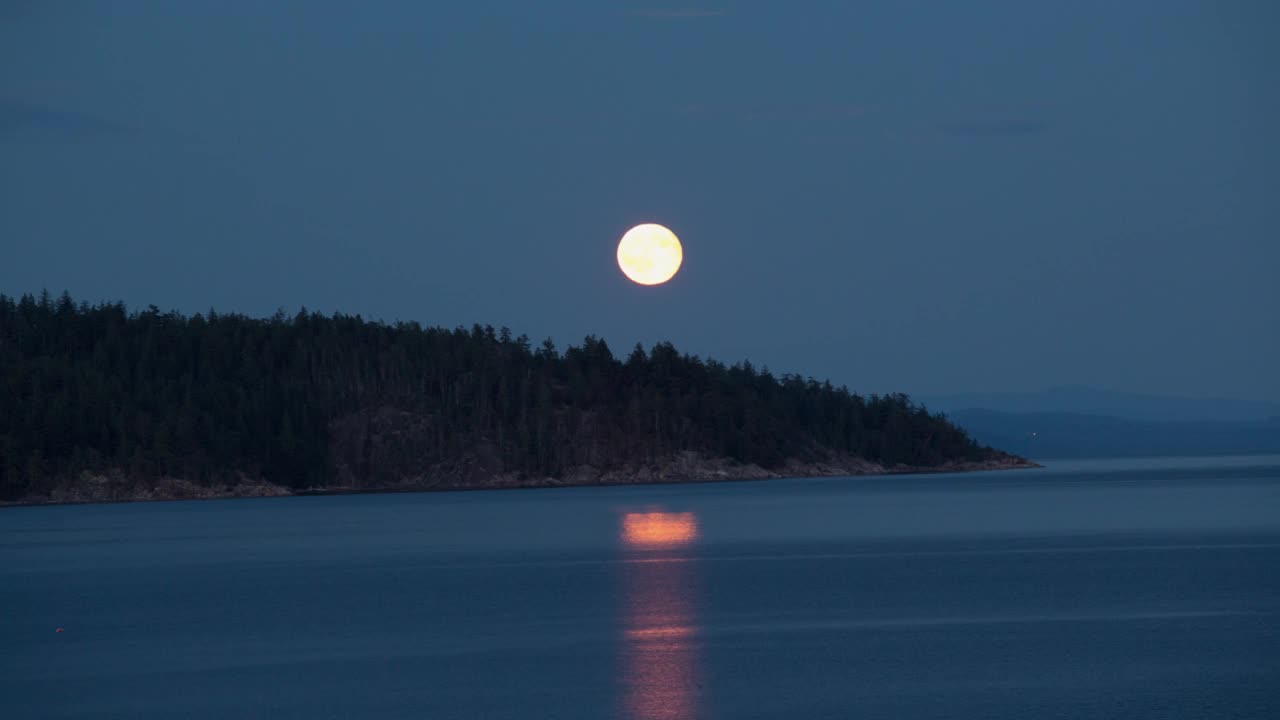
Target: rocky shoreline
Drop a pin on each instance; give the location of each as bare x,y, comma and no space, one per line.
683,467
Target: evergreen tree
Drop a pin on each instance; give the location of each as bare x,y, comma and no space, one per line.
310,401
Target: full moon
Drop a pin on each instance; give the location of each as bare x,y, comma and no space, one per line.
650,254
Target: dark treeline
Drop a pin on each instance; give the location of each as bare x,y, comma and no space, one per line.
311,401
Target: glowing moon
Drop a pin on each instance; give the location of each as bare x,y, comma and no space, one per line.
650,254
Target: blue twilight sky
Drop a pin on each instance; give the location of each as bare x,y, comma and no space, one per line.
929,197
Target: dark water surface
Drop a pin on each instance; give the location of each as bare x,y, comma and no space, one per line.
1086,590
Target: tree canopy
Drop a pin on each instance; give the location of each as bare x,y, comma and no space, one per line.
299,400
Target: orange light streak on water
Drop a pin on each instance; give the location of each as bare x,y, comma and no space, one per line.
660,661
659,529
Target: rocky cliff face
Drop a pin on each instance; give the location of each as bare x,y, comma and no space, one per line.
387,449
478,473
116,486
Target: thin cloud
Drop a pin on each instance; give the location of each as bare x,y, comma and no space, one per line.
15,117
800,111
14,10
677,13
994,128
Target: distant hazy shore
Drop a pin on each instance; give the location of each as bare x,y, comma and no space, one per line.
682,468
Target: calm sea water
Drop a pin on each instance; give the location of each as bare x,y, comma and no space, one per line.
1085,590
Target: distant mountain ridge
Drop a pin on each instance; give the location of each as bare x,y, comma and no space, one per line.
1080,400
1043,436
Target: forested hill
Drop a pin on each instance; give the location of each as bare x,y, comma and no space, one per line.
100,402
